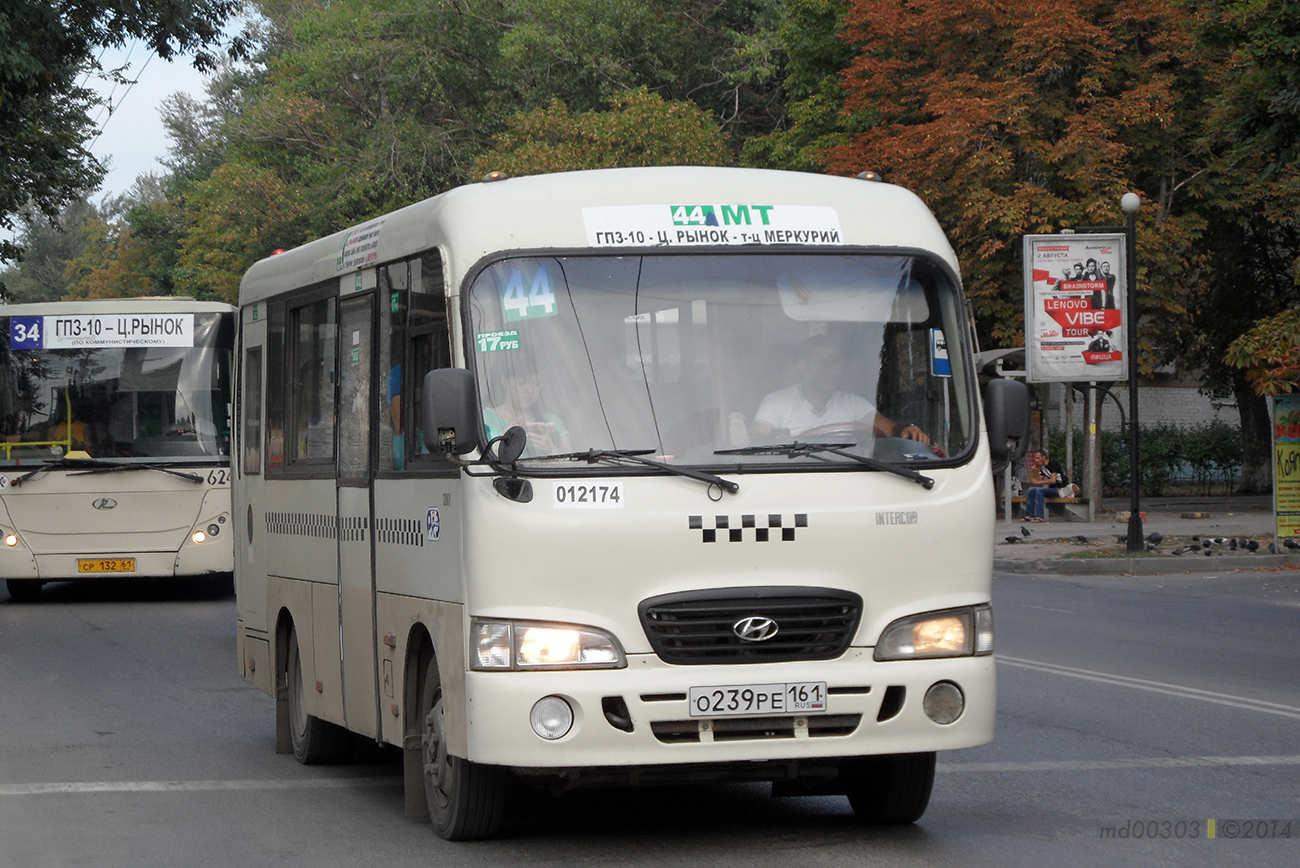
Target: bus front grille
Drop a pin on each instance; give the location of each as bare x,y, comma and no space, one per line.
754,728
751,625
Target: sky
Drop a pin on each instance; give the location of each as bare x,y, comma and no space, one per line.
133,138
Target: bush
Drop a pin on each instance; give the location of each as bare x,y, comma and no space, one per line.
1206,454
1213,453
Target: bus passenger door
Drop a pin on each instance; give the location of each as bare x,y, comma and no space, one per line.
355,526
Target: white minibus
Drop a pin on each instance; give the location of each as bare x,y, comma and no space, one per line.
622,477
114,440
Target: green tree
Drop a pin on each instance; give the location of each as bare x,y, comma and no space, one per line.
1247,293
641,129
46,49
49,246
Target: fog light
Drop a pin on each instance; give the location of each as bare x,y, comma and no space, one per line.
551,717
199,536
11,540
944,702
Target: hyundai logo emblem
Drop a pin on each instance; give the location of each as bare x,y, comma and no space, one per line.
755,628
104,503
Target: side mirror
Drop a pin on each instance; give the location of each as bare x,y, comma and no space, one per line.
1006,414
512,445
450,413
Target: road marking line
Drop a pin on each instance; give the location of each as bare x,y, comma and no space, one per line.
1159,762
1243,702
192,786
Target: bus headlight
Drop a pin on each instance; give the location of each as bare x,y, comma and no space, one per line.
199,536
534,645
11,539
949,633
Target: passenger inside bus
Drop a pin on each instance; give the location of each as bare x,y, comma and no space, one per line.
56,431
520,404
816,405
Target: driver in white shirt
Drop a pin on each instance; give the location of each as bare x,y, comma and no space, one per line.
816,402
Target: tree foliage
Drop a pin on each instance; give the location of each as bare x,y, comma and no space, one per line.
1028,117
640,129
46,50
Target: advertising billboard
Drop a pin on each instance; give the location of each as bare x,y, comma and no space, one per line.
1075,308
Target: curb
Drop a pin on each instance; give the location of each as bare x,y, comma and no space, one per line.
1142,566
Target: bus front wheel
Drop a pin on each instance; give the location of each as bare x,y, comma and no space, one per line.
891,790
466,800
315,741
23,590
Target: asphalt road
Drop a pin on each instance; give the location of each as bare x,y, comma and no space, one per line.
127,739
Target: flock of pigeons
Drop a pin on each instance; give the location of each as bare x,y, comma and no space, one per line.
1208,546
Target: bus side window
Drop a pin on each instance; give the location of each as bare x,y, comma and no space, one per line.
275,387
429,339
251,436
394,294
313,330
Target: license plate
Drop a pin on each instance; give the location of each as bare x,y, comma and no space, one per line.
736,700
106,565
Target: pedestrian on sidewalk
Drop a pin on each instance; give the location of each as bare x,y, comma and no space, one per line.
1046,479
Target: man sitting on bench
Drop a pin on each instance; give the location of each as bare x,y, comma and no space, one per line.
1046,479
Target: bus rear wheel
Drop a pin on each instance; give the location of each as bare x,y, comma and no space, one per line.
315,741
891,790
466,800
23,590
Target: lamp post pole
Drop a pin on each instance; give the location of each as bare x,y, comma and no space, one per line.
1130,203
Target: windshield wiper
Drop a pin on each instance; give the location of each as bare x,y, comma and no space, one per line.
113,467
591,456
796,449
57,462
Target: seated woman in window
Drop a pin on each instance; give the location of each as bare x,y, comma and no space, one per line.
521,405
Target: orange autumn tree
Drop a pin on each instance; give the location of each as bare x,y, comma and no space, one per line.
1026,116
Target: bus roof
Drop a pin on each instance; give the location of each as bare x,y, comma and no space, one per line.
153,304
547,212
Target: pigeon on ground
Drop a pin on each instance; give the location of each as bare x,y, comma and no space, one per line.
1272,549
1205,543
1195,538
1207,552
1244,543
1180,550
1232,545
1155,538
1013,539
1151,547
1291,544
1122,538
1024,531
1253,545
1083,539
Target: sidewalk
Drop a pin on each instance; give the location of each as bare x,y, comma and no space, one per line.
1059,546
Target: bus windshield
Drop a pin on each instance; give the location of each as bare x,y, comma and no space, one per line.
79,396
728,359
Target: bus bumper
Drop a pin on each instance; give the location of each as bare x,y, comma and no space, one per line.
863,714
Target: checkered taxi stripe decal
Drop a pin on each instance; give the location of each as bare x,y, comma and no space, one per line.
318,526
400,531
776,527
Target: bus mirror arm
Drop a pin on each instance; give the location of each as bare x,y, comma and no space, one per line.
450,408
1006,413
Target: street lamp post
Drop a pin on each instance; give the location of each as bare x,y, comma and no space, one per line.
1130,203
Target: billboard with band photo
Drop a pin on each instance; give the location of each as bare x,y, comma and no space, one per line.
1075,297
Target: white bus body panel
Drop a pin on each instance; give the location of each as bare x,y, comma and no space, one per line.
498,558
